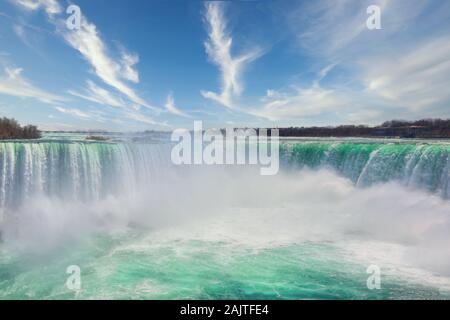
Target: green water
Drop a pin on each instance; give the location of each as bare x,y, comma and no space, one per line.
292,237
131,266
417,164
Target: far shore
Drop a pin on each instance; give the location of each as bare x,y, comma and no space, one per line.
425,129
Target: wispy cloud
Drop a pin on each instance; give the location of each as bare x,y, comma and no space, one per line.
14,84
99,95
401,70
171,107
139,117
302,103
20,32
87,115
89,43
74,112
218,47
50,6
117,71
337,29
128,60
418,79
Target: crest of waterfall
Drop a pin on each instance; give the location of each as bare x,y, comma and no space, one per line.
89,171
76,170
425,166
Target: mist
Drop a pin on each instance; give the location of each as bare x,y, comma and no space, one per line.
238,206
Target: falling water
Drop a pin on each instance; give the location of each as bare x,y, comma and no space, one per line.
75,170
421,165
139,227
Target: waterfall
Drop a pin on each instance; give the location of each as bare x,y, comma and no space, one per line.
89,171
426,166
75,170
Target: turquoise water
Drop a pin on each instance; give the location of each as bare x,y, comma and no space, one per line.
112,268
420,164
138,228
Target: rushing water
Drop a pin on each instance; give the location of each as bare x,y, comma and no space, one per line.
74,170
139,227
419,164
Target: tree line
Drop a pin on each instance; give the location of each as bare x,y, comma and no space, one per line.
11,129
424,128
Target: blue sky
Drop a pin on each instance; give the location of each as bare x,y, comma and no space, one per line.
136,65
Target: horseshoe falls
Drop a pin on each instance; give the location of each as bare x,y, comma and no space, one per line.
138,226
426,166
74,170
90,171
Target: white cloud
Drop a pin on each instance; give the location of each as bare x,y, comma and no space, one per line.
20,32
74,112
50,6
13,73
128,61
334,29
334,25
143,119
404,67
13,84
99,95
92,115
304,102
324,72
170,106
115,72
416,79
400,71
218,47
88,42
